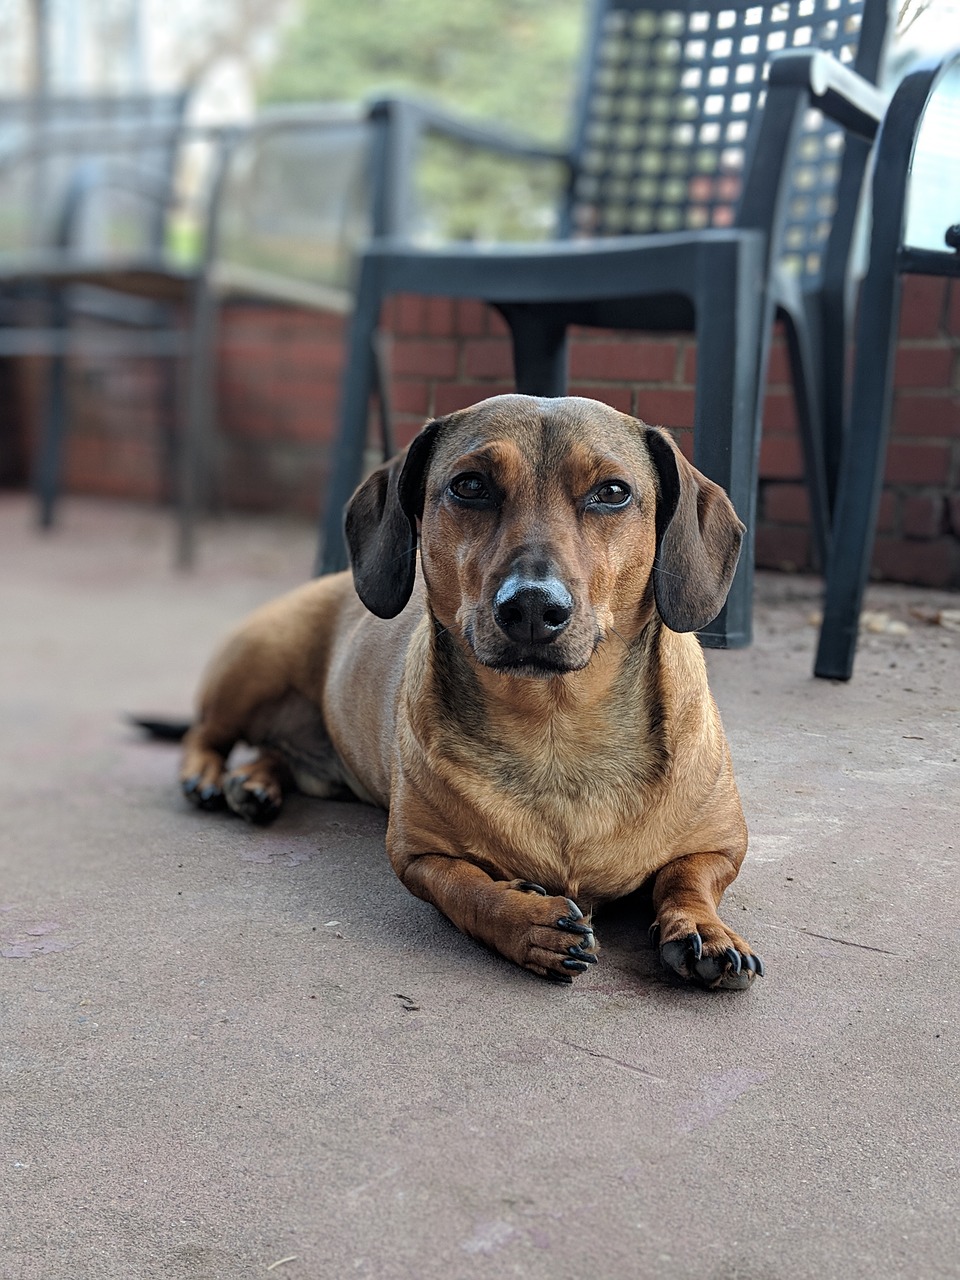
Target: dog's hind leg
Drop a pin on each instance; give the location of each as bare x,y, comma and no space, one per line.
202,765
255,790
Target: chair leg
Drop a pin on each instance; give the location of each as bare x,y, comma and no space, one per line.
49,465
861,475
358,380
197,416
381,366
733,341
801,348
539,351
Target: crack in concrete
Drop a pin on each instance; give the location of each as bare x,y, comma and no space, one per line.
617,1062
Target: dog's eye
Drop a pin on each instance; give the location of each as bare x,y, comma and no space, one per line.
612,493
470,488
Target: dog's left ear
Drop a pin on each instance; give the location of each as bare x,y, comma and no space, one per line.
381,526
698,539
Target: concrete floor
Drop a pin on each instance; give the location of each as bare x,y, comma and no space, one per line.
232,1052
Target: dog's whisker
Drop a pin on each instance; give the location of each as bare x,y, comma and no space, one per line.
612,631
668,573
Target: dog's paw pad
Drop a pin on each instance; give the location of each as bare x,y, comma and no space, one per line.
714,966
256,803
205,795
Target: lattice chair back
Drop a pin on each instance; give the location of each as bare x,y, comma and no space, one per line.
668,105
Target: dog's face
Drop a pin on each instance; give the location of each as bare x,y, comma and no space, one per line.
545,526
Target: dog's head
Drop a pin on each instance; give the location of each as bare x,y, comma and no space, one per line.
544,525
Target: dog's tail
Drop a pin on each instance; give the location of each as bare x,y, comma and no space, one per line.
165,730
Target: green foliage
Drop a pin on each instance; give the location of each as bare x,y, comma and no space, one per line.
512,61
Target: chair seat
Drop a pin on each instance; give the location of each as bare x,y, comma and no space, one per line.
560,270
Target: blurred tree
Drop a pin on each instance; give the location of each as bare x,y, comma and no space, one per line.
509,60
512,62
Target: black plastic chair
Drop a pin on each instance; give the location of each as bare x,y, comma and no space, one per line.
702,195
891,257
279,220
85,182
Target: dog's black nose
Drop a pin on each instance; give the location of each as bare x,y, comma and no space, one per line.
532,611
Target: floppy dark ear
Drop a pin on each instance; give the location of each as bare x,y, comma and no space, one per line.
381,527
698,540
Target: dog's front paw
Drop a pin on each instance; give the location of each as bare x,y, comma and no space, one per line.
551,936
708,954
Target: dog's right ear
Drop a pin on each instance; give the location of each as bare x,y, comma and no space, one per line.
381,526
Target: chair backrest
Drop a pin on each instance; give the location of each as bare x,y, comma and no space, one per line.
45,143
293,201
667,101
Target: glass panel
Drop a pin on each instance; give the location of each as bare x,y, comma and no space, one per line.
933,200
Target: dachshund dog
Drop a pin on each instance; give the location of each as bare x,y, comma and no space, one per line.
525,695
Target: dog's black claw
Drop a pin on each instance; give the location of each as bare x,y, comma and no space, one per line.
256,804
588,941
574,911
736,960
527,886
578,966
654,932
209,797
573,926
565,979
759,965
580,954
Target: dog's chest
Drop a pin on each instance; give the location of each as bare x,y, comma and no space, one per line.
587,823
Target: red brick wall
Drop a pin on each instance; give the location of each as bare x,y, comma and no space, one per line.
278,374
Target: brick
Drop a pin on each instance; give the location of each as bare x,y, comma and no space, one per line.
684,442
778,367
687,373
922,307
916,414
439,318
929,366
786,503
937,566
623,361
496,325
666,407
778,372
782,547
923,515
617,397
953,310
410,396
471,318
407,315
487,358
887,512
779,411
460,395
434,358
918,464
406,426
780,457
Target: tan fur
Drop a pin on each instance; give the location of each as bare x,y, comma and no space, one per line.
512,796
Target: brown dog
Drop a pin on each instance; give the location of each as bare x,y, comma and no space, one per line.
531,707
